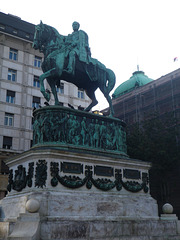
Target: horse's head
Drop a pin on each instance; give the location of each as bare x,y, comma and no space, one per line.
47,37
40,36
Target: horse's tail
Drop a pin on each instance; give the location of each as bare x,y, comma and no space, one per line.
111,79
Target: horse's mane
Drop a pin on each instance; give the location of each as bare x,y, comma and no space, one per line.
54,32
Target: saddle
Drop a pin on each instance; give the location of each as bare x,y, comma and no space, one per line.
95,70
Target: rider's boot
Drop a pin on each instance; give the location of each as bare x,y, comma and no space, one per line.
70,67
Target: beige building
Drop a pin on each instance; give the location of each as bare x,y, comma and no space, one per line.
20,68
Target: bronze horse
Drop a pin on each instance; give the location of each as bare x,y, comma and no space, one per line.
86,76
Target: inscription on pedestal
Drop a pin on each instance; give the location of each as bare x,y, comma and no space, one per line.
131,173
71,167
103,171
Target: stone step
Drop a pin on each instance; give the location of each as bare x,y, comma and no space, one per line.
4,229
98,230
144,238
95,230
26,227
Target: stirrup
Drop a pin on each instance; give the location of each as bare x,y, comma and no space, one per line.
68,70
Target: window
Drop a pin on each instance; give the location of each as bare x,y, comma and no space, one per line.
37,61
10,96
8,119
27,35
2,26
15,31
36,102
80,93
7,142
36,82
60,88
13,54
12,75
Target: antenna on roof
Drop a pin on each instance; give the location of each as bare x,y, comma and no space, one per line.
137,64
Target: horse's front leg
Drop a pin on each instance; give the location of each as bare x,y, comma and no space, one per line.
51,83
42,88
41,79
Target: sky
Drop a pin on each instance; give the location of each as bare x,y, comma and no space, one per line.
122,33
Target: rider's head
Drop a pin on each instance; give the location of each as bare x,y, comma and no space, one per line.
75,26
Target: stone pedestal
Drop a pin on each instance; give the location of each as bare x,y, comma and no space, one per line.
81,196
89,186
61,190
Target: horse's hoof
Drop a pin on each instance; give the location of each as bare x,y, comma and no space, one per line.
57,104
46,103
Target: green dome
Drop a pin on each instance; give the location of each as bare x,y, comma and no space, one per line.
138,79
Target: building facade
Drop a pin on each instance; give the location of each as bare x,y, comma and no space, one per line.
138,99
20,68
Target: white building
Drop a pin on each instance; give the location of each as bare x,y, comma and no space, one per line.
20,68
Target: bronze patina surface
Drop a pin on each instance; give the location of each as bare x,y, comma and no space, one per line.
62,127
69,58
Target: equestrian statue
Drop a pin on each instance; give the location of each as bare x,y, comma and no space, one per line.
69,58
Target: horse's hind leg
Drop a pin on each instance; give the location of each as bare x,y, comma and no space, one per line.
108,98
92,96
110,104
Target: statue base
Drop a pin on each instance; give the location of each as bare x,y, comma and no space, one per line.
69,129
77,182
59,194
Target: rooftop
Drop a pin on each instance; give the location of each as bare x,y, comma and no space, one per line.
13,25
138,79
